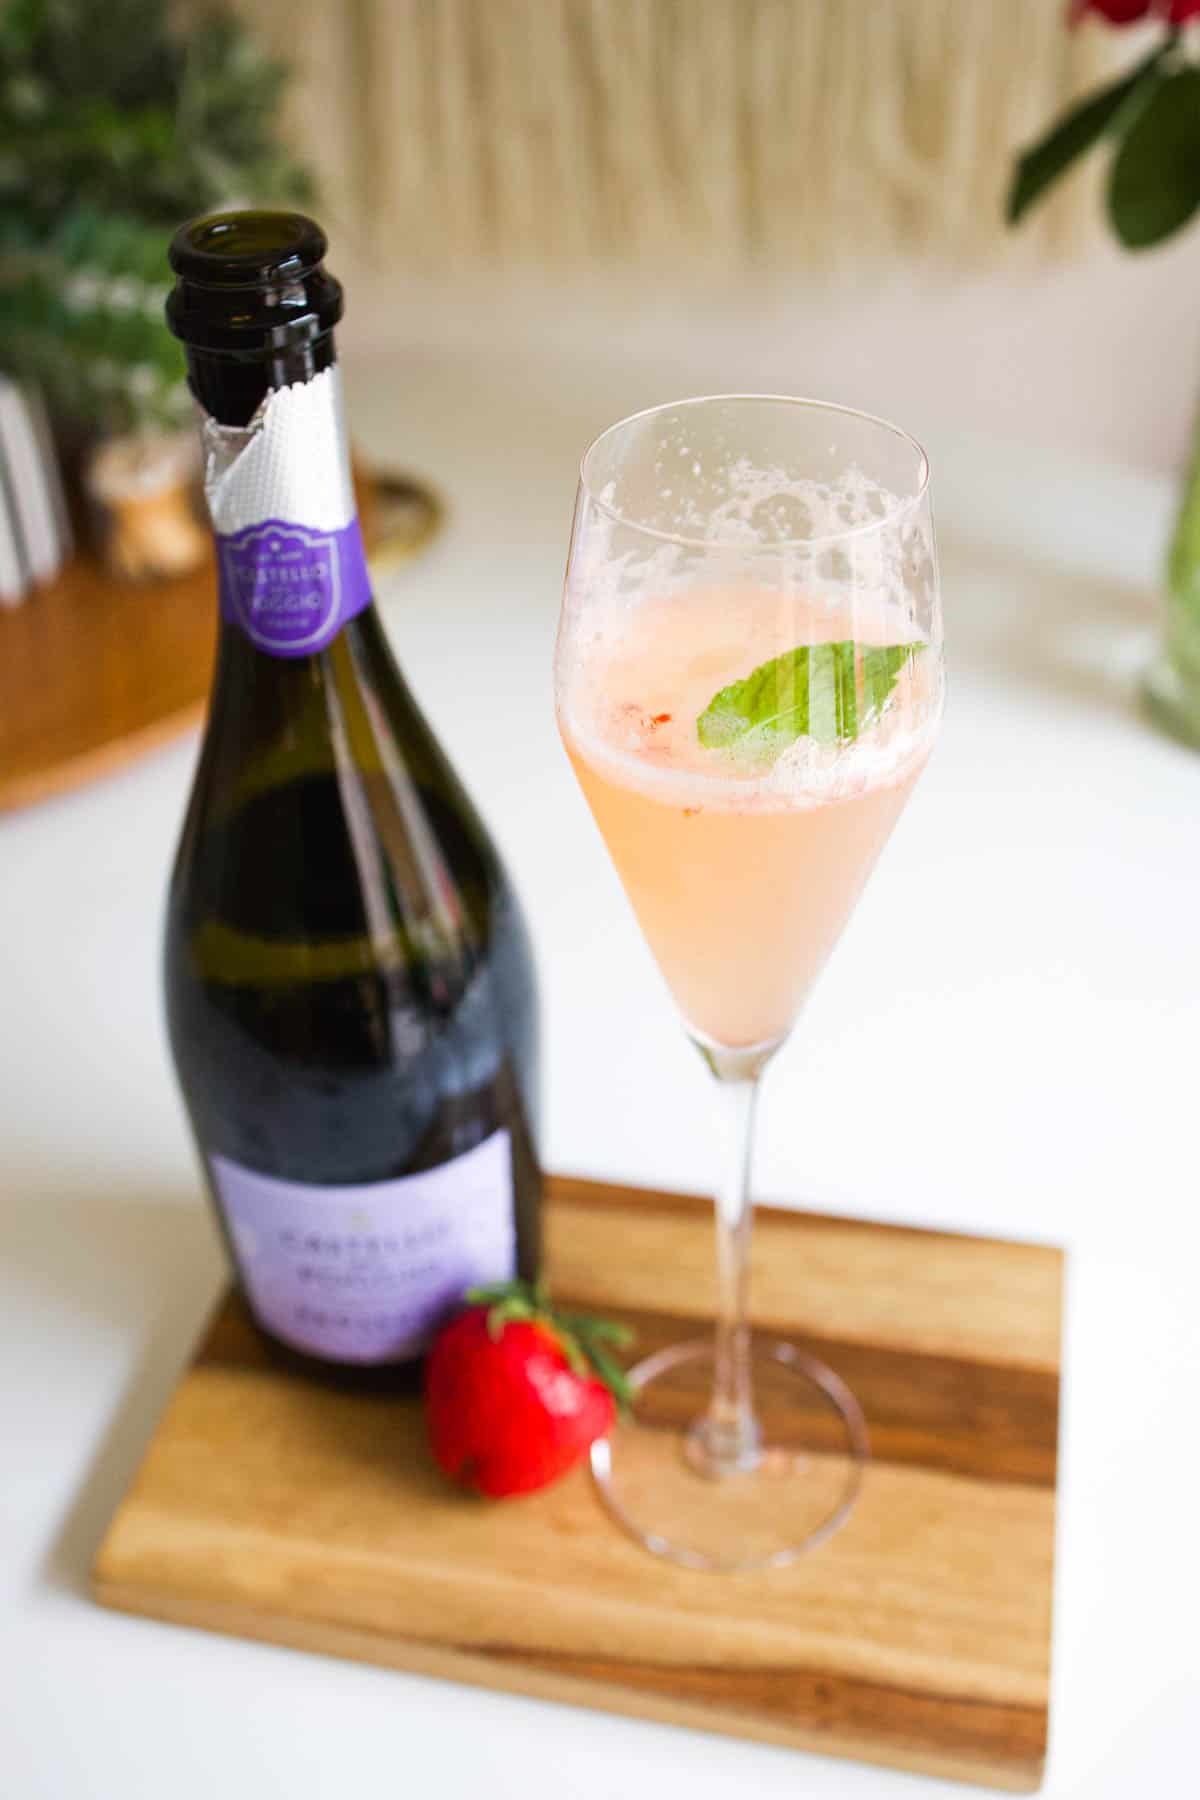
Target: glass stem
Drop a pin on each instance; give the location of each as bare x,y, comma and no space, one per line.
726,1440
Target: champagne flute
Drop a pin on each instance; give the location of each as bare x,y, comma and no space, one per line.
748,683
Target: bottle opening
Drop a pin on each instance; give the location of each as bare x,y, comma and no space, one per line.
247,249
251,284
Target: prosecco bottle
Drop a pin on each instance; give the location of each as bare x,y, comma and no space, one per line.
350,992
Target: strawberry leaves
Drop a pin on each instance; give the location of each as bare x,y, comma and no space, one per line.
587,1342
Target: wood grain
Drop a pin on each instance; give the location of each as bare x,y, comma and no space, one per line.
919,1637
96,671
980,1298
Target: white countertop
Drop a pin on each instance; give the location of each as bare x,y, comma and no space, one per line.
1017,997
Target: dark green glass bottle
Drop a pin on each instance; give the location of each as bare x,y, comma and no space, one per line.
350,991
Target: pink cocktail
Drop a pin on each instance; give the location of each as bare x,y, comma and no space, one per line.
742,872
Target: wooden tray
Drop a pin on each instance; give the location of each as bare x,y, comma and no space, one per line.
95,670
919,1637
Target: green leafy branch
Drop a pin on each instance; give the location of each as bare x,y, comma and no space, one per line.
108,140
1151,118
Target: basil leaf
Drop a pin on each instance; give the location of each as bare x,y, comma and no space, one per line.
809,692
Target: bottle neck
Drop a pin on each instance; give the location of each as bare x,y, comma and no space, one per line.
230,389
292,573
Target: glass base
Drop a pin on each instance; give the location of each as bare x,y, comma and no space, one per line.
791,1495
1172,704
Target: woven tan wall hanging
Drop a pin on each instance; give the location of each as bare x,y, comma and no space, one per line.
563,133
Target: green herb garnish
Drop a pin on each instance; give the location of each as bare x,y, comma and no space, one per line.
829,692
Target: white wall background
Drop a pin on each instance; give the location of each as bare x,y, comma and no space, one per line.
1100,357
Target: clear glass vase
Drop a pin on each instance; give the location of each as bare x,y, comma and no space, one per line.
1172,685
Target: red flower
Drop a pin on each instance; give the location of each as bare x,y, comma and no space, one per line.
1117,12
1128,12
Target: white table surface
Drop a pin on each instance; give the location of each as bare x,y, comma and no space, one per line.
1018,997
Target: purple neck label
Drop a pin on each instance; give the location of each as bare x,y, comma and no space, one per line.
291,589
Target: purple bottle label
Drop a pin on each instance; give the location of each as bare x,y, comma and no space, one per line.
291,589
364,1274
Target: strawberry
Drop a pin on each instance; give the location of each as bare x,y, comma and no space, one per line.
516,1393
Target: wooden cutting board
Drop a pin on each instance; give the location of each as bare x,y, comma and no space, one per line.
919,1637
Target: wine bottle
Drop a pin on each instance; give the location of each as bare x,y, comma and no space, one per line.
350,991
